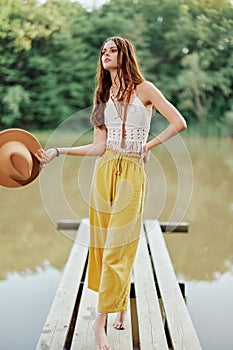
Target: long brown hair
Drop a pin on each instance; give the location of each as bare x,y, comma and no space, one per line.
128,74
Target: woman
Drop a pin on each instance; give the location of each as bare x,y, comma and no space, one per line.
123,103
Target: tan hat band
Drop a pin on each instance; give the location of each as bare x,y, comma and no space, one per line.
16,160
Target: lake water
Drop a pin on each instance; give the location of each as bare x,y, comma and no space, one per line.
189,181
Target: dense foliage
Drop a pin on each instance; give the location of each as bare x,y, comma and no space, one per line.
49,51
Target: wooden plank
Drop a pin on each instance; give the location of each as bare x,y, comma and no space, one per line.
120,339
68,224
182,332
165,226
182,227
83,338
151,328
56,327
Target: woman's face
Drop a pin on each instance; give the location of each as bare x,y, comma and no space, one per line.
109,55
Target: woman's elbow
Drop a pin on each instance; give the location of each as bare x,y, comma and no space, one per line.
99,149
181,125
102,151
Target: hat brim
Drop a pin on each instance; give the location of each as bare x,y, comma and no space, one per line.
32,145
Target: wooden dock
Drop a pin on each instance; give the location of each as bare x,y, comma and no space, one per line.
157,316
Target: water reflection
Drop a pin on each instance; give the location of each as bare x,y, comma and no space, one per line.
208,249
211,308
24,300
204,257
27,237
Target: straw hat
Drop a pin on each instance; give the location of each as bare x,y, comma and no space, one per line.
18,165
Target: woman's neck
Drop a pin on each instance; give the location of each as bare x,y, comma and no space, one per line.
115,80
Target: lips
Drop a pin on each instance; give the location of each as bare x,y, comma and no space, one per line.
107,60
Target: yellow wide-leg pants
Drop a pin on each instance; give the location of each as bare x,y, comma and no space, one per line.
116,204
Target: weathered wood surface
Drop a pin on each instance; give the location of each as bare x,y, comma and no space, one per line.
153,273
151,328
182,227
83,337
120,339
56,327
182,332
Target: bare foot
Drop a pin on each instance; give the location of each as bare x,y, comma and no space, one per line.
119,323
101,342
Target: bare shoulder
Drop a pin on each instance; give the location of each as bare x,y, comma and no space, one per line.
147,91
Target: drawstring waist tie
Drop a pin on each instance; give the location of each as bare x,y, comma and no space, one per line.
119,157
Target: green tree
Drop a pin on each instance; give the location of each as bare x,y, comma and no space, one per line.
29,69
48,56
24,22
192,42
193,81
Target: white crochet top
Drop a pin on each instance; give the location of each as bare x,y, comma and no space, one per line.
137,126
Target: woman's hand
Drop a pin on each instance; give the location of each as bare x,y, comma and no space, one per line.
46,157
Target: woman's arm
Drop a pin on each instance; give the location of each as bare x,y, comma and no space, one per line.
97,148
151,95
